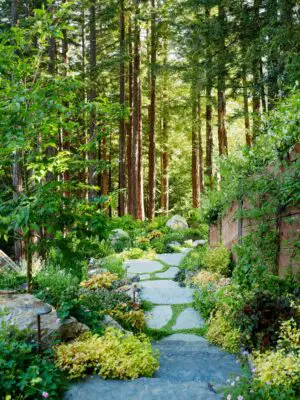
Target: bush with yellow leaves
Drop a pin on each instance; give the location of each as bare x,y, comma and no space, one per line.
281,367
114,355
217,260
277,368
221,332
100,281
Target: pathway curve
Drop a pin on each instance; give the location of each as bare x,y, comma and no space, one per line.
190,368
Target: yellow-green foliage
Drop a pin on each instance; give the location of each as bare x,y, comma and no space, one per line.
133,319
277,368
204,278
113,355
289,336
221,332
100,281
217,260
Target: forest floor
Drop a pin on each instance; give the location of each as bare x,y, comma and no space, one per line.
190,367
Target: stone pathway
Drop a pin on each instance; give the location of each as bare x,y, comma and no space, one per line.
190,368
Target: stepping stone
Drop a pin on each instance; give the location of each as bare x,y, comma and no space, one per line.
142,266
184,337
172,258
159,316
165,292
169,274
188,319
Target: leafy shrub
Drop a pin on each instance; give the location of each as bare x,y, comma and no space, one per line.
247,388
114,264
160,244
260,318
277,368
222,332
196,233
133,320
142,242
205,301
24,373
193,260
100,299
136,253
52,282
10,279
100,281
217,260
204,277
114,355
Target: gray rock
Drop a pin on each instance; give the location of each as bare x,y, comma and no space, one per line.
142,266
177,222
171,258
159,316
188,319
169,274
21,311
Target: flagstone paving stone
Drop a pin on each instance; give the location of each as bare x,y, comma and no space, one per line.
169,274
173,259
143,266
188,319
165,292
159,316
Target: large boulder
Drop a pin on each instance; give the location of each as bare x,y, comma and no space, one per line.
21,310
177,222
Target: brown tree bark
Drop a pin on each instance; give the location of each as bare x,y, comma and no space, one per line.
222,134
164,200
92,179
137,168
122,128
17,171
256,74
105,174
152,114
195,153
199,126
208,114
246,109
129,125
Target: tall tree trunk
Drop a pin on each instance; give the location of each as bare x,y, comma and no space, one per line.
137,169
195,152
199,127
17,175
164,200
208,113
262,87
130,122
92,94
222,135
246,108
122,128
256,73
152,114
105,174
